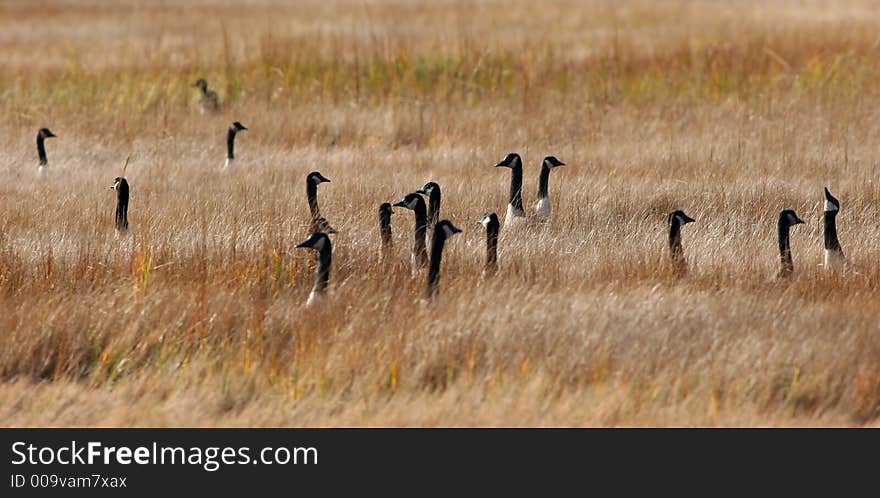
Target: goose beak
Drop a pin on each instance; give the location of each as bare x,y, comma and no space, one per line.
305,244
421,191
688,219
798,221
331,230
400,204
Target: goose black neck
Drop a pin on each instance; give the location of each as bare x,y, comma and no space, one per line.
830,222
676,252
122,206
491,246
230,144
385,228
516,186
543,182
312,195
322,274
437,243
433,207
675,235
421,230
787,267
41,150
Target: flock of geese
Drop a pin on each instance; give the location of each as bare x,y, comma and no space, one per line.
429,227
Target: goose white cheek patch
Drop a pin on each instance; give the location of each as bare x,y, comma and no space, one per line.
829,206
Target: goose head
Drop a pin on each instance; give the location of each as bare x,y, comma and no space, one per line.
428,188
446,229
317,241
789,218
410,201
551,162
679,216
45,133
237,127
489,218
511,160
118,183
316,178
831,202
201,84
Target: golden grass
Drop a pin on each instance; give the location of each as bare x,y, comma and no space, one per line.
730,112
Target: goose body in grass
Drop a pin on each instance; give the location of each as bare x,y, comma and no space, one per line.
516,215
787,219
42,135
834,258
209,102
544,208
317,222
677,219
234,128
442,232
323,247
120,185
490,222
415,203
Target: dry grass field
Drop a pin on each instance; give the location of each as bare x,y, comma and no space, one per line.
730,111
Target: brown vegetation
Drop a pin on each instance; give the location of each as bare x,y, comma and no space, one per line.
731,112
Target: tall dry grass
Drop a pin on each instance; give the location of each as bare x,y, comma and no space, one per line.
731,112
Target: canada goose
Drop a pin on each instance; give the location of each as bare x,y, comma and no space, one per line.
385,213
442,231
432,190
833,253
676,253
787,218
515,212
318,223
490,221
120,185
230,142
416,204
42,135
320,242
543,209
209,101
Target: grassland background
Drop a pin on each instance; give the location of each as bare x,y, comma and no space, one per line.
731,111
